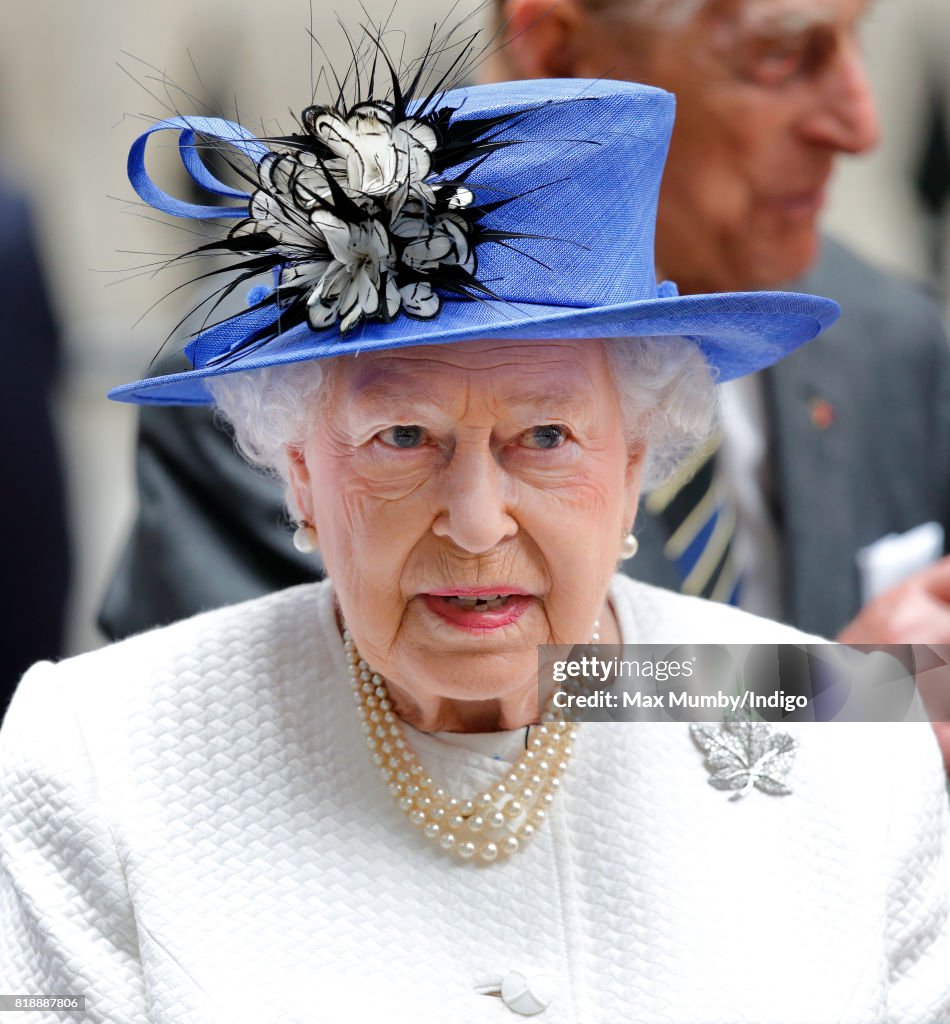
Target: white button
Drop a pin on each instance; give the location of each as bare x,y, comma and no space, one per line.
527,996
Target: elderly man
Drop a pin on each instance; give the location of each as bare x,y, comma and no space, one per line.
848,441
769,93
844,443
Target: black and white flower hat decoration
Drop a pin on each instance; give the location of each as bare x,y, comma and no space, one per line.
424,216
362,233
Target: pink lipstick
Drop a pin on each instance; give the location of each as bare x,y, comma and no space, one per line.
478,609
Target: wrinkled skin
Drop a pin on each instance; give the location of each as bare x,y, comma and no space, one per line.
769,93
515,472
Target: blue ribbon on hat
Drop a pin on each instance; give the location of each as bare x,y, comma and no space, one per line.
190,127
222,339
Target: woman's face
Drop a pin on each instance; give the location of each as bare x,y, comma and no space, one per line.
441,474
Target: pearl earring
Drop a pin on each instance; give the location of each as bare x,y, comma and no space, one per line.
305,539
629,546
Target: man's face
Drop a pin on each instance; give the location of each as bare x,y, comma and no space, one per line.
769,92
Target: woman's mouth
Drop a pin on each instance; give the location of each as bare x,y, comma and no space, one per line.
479,612
479,604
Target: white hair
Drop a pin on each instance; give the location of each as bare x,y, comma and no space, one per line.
666,389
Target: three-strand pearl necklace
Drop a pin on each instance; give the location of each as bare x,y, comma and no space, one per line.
486,825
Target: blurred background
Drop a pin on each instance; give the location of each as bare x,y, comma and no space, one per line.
75,84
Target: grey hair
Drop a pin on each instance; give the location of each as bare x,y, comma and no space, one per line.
662,13
666,389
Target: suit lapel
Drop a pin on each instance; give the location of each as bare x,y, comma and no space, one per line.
812,484
810,401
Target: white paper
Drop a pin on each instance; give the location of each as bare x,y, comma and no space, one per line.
894,558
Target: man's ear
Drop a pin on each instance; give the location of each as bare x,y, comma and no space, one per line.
298,477
541,38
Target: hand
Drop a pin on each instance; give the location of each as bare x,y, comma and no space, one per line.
916,611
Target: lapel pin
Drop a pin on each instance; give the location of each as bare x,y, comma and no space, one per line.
821,413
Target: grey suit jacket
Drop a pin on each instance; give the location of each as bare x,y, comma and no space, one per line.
882,466
211,531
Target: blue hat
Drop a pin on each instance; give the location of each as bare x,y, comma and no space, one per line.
516,210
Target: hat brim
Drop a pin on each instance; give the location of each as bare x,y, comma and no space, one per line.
738,333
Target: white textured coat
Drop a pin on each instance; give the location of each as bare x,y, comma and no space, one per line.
191,831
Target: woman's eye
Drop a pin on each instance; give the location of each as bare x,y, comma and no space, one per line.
549,436
402,437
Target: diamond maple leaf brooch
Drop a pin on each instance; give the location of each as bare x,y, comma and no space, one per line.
742,754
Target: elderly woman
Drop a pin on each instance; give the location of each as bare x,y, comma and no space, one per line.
342,801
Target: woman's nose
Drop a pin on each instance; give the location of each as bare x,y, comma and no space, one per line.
474,505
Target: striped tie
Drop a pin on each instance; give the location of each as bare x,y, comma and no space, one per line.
699,514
